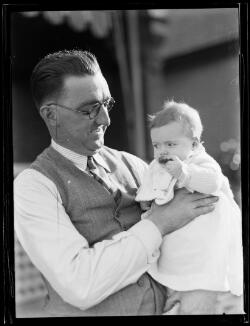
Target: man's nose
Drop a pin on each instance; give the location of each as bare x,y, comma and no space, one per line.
102,117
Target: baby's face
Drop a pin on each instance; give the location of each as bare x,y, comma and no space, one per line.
171,140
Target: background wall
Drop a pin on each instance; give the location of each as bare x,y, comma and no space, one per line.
208,81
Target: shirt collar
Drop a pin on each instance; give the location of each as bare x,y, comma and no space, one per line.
78,159
199,150
99,159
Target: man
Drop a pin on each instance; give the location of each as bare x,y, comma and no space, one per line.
75,213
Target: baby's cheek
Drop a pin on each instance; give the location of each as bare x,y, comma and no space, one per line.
179,155
157,153
175,152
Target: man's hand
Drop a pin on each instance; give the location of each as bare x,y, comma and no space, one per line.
182,209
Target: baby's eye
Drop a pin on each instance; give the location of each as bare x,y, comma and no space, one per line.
155,145
171,144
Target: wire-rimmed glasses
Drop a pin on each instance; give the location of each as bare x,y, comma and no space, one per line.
90,110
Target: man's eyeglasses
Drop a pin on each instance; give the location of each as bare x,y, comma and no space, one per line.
89,110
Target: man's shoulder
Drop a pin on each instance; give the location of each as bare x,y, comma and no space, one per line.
131,158
50,162
31,179
33,173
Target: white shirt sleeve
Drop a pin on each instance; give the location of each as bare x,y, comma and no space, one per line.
83,276
203,174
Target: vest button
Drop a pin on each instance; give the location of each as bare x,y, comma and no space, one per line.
141,281
116,214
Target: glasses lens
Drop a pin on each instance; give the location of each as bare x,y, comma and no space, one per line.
109,103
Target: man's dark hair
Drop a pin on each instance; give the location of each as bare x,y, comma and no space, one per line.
48,75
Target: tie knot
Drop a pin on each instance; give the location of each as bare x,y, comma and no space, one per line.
90,163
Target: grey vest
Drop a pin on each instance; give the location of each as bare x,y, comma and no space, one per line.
95,214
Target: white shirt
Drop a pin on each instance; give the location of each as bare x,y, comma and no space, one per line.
83,276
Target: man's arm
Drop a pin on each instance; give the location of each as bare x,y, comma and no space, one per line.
83,275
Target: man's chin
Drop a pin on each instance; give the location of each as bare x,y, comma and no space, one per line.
97,146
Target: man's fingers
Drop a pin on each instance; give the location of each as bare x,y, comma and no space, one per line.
204,209
172,300
229,304
205,205
206,201
197,196
174,310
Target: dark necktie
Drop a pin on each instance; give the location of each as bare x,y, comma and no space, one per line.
101,176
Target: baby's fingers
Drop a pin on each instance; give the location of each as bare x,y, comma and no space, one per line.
171,164
172,157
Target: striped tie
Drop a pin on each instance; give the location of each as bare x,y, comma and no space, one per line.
101,176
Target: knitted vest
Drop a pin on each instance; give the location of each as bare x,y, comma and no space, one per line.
95,214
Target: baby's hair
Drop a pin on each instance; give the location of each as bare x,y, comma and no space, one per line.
178,112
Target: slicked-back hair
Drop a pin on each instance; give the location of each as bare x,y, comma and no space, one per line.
48,75
178,112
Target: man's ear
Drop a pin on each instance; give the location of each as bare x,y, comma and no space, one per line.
49,114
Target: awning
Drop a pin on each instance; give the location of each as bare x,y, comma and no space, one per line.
98,21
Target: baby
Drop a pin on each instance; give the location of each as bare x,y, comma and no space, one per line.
203,260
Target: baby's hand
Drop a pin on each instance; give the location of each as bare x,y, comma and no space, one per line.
163,159
174,166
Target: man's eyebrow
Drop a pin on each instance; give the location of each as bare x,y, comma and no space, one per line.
90,102
87,103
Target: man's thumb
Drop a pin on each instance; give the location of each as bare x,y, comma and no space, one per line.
174,310
172,300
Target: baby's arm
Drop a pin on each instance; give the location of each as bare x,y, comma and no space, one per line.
202,174
204,177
